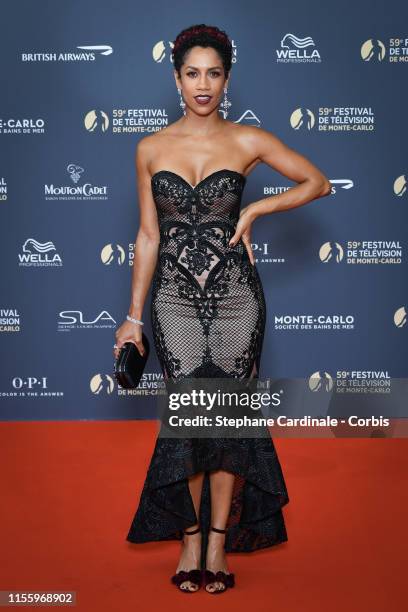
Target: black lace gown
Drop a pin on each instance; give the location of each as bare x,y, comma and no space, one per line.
208,317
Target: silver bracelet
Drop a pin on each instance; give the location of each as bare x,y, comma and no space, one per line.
134,320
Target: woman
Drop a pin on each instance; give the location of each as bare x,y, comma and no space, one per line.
208,312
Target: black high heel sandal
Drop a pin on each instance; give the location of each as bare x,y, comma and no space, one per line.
194,576
228,580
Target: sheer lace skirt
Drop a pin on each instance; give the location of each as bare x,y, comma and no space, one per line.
211,336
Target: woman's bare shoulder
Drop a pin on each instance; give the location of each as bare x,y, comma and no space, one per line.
151,140
252,134
150,145
253,142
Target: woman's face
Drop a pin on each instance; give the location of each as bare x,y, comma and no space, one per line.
202,80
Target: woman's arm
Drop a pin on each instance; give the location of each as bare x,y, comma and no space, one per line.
262,146
271,150
148,236
146,250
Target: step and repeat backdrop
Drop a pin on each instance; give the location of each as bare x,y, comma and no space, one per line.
83,82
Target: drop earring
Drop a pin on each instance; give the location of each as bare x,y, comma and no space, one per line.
225,104
182,103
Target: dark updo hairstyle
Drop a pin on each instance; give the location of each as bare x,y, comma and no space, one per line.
204,36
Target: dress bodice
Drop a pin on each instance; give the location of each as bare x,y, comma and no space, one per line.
201,218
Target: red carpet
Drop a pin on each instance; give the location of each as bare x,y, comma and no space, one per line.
69,491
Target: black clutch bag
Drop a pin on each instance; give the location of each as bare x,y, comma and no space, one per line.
129,364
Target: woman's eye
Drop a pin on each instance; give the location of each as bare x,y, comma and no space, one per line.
213,73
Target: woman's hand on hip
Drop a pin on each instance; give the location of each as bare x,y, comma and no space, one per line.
243,231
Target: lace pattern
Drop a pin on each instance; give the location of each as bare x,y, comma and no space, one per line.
208,316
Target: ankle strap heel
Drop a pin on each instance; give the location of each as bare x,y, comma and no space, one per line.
218,530
209,577
192,532
194,576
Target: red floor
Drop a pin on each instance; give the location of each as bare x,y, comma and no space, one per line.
69,491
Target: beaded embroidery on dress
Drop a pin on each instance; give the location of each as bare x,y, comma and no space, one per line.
208,316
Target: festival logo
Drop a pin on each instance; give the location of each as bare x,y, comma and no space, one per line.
400,316
362,252
400,185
